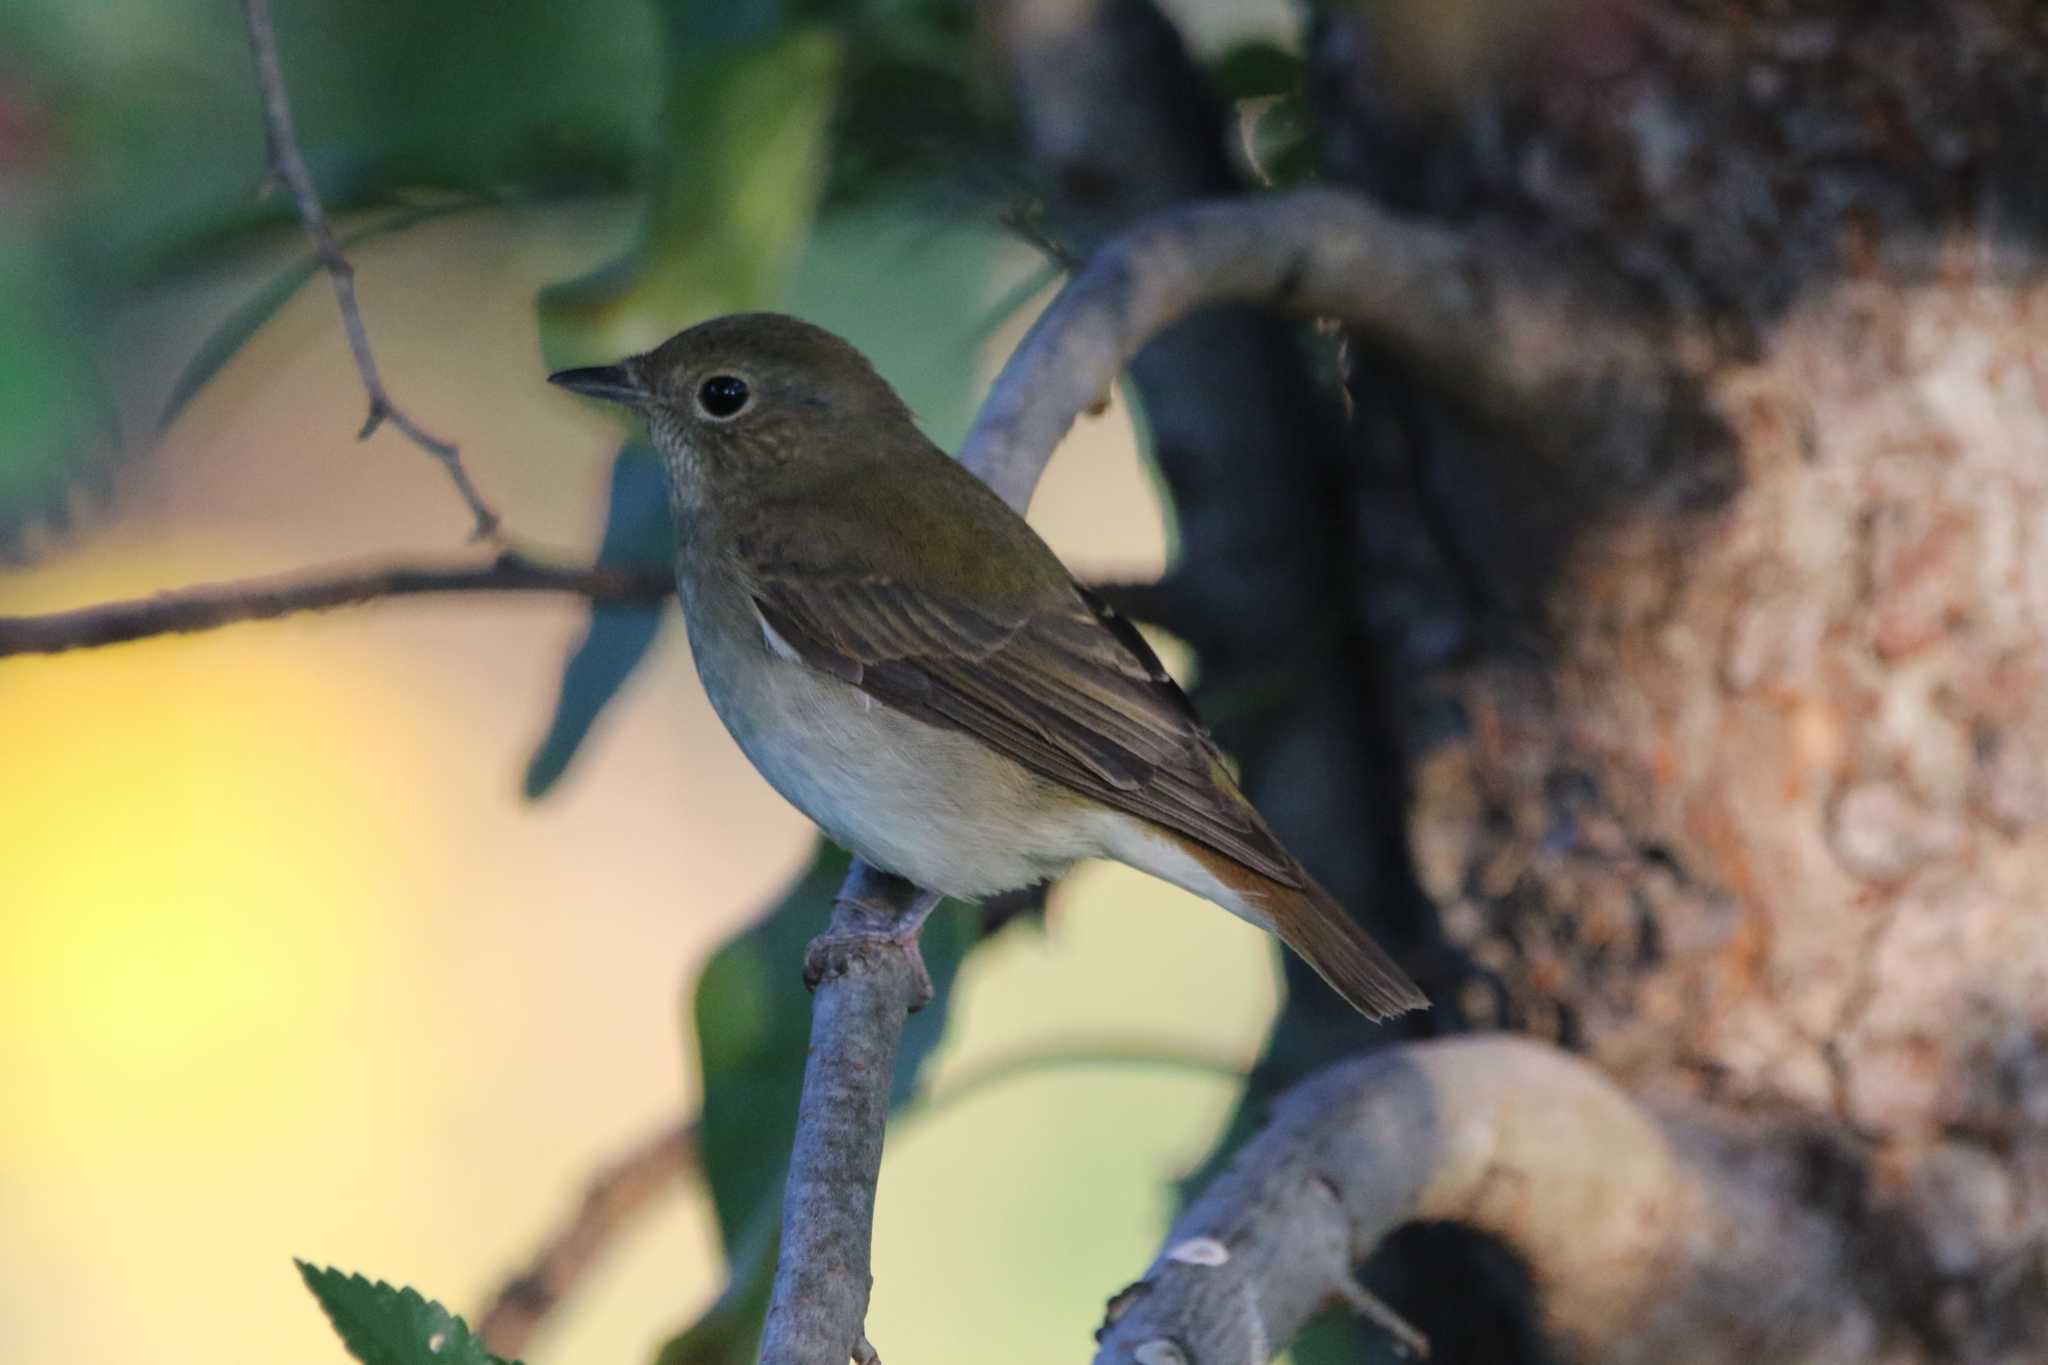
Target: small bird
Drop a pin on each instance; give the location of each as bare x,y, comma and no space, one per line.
906,662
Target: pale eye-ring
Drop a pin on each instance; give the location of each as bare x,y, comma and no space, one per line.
723,396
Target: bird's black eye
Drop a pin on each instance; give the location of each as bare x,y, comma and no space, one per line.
723,395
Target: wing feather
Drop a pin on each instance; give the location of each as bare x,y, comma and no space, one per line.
1068,690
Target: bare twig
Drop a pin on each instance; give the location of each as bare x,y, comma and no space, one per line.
1621,1217
615,1198
213,605
288,164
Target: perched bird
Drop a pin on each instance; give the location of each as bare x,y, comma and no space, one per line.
903,658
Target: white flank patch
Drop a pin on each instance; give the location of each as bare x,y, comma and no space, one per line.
1138,843
777,646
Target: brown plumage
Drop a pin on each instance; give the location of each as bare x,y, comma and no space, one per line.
905,659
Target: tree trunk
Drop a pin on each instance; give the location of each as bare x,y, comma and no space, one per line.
1724,707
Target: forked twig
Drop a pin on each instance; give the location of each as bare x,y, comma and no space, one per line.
287,164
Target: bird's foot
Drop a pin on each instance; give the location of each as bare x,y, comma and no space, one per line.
865,928
832,955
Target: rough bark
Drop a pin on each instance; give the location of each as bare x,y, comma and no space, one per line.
1709,698
1744,793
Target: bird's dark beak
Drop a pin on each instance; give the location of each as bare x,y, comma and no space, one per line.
613,383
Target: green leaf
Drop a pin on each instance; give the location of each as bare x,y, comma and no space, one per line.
57,429
1283,144
1257,69
1269,81
382,1325
638,534
918,115
730,197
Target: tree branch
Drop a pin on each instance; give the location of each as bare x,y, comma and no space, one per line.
288,164
617,1196
1629,1224
868,975
1519,339
210,606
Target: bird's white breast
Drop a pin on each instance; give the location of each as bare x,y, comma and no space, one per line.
928,803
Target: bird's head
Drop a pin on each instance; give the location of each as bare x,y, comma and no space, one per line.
751,395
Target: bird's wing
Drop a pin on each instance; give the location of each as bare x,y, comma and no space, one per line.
1068,689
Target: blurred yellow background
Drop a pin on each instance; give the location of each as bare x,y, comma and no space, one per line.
288,969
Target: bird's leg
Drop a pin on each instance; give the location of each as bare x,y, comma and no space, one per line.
876,912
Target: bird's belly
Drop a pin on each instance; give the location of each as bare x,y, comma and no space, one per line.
926,803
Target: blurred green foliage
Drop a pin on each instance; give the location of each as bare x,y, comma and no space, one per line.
58,432
131,145
845,159
157,134
730,194
383,1325
134,147
1269,85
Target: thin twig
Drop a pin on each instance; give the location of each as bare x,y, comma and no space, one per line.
615,1198
212,605
288,164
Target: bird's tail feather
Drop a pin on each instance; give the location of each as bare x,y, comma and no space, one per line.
1329,940
1305,917
1308,920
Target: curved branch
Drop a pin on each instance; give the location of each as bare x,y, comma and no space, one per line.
1628,1222
212,605
1517,339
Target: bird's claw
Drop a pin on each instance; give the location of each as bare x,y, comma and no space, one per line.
833,955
